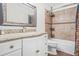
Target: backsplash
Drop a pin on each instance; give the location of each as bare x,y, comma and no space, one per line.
10,31
29,29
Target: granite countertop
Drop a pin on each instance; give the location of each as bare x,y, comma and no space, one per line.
10,37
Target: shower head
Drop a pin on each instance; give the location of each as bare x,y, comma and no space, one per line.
51,12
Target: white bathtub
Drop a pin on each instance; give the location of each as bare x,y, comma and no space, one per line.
64,45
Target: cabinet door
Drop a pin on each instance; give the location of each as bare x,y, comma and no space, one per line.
35,46
41,46
29,47
15,53
10,46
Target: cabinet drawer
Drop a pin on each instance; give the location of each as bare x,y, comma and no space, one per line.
9,46
15,53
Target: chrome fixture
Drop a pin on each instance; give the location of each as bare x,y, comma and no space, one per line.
51,12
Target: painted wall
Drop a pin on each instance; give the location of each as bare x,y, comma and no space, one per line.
40,17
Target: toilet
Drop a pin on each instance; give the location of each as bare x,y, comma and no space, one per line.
52,47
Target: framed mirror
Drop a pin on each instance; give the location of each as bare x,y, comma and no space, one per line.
19,14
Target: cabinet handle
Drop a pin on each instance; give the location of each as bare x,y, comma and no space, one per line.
46,53
11,46
37,51
45,43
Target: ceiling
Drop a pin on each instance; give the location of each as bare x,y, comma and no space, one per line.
55,5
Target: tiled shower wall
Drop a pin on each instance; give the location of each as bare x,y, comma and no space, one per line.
64,24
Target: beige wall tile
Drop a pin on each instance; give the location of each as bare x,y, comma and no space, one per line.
66,15
64,31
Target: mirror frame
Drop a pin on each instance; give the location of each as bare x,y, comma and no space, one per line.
9,23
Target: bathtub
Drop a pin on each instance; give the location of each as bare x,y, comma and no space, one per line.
64,45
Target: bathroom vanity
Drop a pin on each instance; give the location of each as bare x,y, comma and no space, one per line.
23,44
